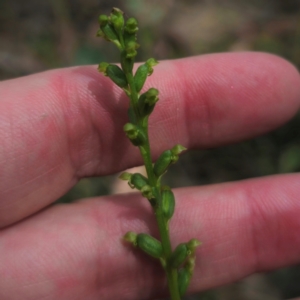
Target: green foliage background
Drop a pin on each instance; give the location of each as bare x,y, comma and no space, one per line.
39,35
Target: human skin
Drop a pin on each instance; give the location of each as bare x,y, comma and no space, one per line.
62,125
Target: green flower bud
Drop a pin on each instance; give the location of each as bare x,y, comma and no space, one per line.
116,74
168,202
192,245
178,149
109,32
140,77
117,19
131,237
131,49
125,176
147,192
131,26
135,180
138,181
151,96
184,278
151,62
103,20
142,72
102,67
182,252
179,255
131,131
163,162
147,102
149,245
135,134
166,158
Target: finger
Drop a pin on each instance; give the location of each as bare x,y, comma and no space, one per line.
75,251
61,125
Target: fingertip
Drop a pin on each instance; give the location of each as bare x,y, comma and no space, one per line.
216,99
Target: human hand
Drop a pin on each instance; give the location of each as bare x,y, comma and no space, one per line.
59,126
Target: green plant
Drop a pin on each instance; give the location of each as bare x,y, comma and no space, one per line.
178,264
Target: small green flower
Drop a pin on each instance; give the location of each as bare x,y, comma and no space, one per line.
131,26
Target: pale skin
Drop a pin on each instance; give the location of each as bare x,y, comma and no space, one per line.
59,126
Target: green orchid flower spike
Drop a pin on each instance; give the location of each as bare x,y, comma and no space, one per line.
178,263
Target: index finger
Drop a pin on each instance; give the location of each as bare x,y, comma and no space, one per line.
65,124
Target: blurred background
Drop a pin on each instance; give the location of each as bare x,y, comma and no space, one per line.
39,35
